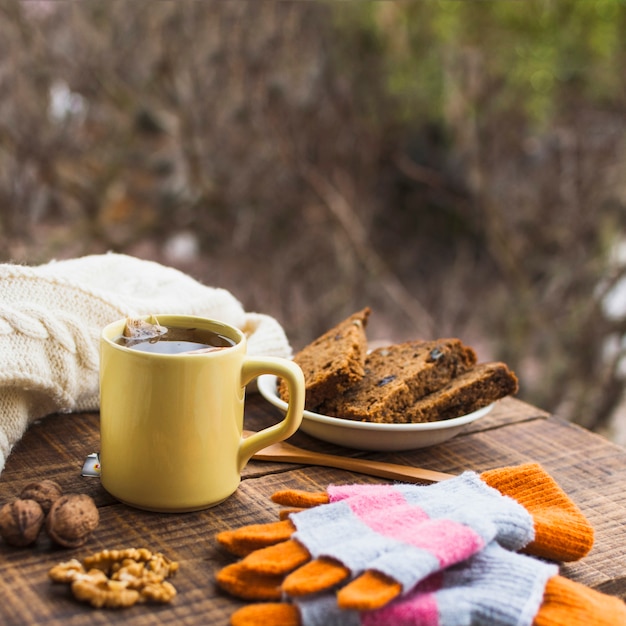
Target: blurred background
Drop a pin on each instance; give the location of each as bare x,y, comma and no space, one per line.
459,167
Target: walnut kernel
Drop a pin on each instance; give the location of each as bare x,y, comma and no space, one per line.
161,592
71,519
118,578
45,492
20,522
66,572
103,593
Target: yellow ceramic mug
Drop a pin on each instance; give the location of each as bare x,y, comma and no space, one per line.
171,424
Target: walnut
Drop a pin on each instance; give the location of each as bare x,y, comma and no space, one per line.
71,519
20,522
103,593
162,592
118,578
45,492
109,560
162,566
66,572
93,586
132,573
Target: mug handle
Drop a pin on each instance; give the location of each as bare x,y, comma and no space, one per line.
291,372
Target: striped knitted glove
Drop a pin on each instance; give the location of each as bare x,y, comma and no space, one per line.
404,532
493,588
365,535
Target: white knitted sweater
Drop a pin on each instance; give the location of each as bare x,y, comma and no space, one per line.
51,317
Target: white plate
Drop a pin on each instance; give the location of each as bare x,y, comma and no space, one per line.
370,435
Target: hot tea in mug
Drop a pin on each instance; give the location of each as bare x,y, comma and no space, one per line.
172,392
173,340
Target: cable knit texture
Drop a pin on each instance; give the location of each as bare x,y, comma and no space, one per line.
51,317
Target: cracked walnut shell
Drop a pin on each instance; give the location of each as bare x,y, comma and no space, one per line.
71,520
21,522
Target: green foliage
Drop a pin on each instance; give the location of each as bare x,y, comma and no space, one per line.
535,54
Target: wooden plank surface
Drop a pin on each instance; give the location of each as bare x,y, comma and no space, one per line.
590,469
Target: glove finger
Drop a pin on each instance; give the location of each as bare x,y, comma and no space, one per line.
243,583
247,539
315,576
274,613
280,558
372,590
569,602
300,499
562,532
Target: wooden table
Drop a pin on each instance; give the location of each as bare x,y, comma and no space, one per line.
590,469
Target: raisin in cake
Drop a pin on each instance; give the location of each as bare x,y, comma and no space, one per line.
333,362
399,375
478,387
